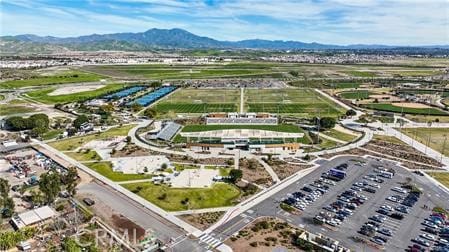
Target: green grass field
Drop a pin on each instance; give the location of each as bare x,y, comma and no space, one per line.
42,94
6,109
359,94
105,169
280,128
340,135
51,134
200,101
174,199
66,77
396,109
84,155
436,138
2,97
442,177
342,85
301,102
72,143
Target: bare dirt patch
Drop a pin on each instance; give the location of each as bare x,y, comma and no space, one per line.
254,172
284,169
203,220
124,225
74,89
410,105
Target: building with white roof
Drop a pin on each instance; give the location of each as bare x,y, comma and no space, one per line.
33,217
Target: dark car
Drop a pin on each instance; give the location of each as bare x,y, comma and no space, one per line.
88,201
307,189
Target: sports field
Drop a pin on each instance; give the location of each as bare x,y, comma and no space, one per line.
60,78
300,102
359,94
200,101
406,110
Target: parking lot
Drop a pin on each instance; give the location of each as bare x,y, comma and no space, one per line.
360,199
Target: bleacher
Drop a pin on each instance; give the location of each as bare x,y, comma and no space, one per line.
242,120
169,131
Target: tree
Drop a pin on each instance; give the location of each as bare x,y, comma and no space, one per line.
164,166
50,185
8,207
150,113
235,175
128,139
136,107
252,164
351,112
325,122
80,120
70,180
4,188
36,197
22,189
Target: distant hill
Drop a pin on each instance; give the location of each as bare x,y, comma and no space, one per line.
157,39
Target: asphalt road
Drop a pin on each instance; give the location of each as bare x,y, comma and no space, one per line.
145,218
403,231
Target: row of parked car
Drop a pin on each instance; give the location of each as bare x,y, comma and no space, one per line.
310,193
435,234
345,205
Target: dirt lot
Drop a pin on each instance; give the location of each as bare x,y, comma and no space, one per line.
254,172
284,169
75,89
202,221
264,235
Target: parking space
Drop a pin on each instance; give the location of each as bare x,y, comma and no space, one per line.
375,196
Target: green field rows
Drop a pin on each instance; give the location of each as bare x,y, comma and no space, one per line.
66,77
359,94
195,108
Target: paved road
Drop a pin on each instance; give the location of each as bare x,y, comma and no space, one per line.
403,230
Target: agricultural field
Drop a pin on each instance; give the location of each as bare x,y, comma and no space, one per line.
406,110
200,101
43,95
178,199
359,94
435,138
442,177
72,143
301,102
58,78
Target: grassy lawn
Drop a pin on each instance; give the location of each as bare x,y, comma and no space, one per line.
279,128
43,96
359,94
340,135
72,143
360,73
442,177
105,169
2,97
396,109
84,155
6,109
426,118
434,137
67,77
51,134
177,199
390,139
341,85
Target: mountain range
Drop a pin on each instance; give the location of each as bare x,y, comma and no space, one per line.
160,39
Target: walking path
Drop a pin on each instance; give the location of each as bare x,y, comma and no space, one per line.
199,211
268,168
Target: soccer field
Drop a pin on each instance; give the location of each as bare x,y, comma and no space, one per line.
200,101
301,102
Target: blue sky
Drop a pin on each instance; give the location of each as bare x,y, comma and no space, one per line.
399,22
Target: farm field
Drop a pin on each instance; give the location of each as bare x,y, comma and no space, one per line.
254,69
442,177
407,110
434,137
302,102
60,78
178,199
200,101
72,143
43,96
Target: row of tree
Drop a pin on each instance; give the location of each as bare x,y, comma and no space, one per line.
6,202
38,123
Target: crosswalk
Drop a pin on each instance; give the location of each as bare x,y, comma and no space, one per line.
209,240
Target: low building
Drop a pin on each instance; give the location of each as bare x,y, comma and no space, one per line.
166,133
33,217
245,118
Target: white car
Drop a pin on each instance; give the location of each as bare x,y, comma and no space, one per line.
375,185
443,241
387,207
428,237
399,190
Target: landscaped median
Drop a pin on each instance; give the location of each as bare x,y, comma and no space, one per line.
442,177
